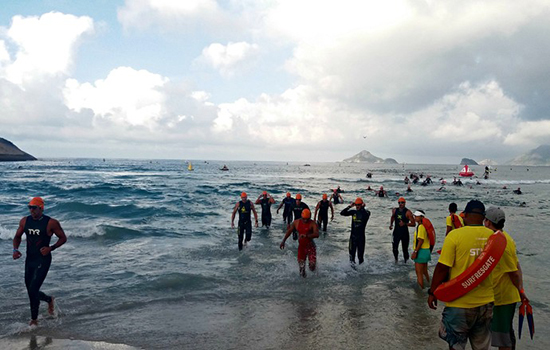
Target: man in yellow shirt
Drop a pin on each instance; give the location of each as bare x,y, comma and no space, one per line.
421,254
507,285
453,221
468,317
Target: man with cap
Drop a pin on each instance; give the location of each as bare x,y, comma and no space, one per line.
265,200
469,316
307,230
244,207
288,201
39,230
403,218
507,285
322,207
359,218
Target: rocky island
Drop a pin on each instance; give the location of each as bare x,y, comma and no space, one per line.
10,153
367,157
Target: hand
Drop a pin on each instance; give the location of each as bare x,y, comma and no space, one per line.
277,211
391,227
331,218
414,254
432,302
232,225
282,245
401,223
523,297
17,255
45,250
256,223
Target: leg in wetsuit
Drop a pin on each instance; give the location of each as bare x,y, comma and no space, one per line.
404,238
36,271
322,219
266,218
357,244
245,227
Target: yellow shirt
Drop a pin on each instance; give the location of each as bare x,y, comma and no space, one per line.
460,249
421,233
505,291
450,221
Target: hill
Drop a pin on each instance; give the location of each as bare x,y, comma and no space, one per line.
537,156
367,157
10,153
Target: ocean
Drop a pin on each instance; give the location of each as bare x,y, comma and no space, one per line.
152,262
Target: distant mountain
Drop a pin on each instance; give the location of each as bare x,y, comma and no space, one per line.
10,153
468,161
367,157
538,156
487,162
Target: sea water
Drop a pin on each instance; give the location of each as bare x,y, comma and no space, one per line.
152,261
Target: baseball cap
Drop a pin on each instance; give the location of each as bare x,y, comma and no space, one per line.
419,213
495,215
476,207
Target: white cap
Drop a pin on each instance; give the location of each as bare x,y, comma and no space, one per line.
419,213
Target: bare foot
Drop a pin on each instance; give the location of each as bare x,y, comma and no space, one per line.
33,323
51,306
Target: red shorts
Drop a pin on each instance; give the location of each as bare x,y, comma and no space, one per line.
307,250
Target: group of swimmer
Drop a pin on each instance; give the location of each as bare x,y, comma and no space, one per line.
482,316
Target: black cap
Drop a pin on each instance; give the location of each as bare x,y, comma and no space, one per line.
476,207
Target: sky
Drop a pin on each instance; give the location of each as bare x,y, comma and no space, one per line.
275,80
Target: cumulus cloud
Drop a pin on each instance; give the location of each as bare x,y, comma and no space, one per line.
532,133
227,59
45,45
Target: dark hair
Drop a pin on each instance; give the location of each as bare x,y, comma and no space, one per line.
453,207
499,225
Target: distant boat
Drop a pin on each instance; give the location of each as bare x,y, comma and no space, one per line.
466,172
224,168
190,167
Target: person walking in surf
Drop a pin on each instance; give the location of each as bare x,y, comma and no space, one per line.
39,230
403,218
244,207
307,230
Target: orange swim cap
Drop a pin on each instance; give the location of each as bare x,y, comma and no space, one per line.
401,199
39,202
243,195
325,196
298,196
288,194
265,193
306,214
359,200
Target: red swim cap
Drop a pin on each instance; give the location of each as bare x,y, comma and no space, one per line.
306,214
359,200
288,194
298,196
243,195
401,199
265,193
39,202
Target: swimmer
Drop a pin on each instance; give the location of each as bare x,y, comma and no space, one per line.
322,207
244,207
307,230
360,217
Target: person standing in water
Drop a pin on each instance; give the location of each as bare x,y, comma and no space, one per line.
39,230
307,230
453,221
244,207
287,202
322,207
403,218
421,245
336,197
265,200
359,218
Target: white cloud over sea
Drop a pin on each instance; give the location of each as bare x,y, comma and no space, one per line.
414,80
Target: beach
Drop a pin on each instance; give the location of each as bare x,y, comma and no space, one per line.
152,262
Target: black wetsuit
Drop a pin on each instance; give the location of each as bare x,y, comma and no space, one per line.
266,211
336,198
400,233
357,237
323,214
36,264
245,222
297,211
287,210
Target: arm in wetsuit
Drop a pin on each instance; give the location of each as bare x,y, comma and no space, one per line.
347,211
17,239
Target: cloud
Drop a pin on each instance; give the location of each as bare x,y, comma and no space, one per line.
229,58
532,133
45,46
